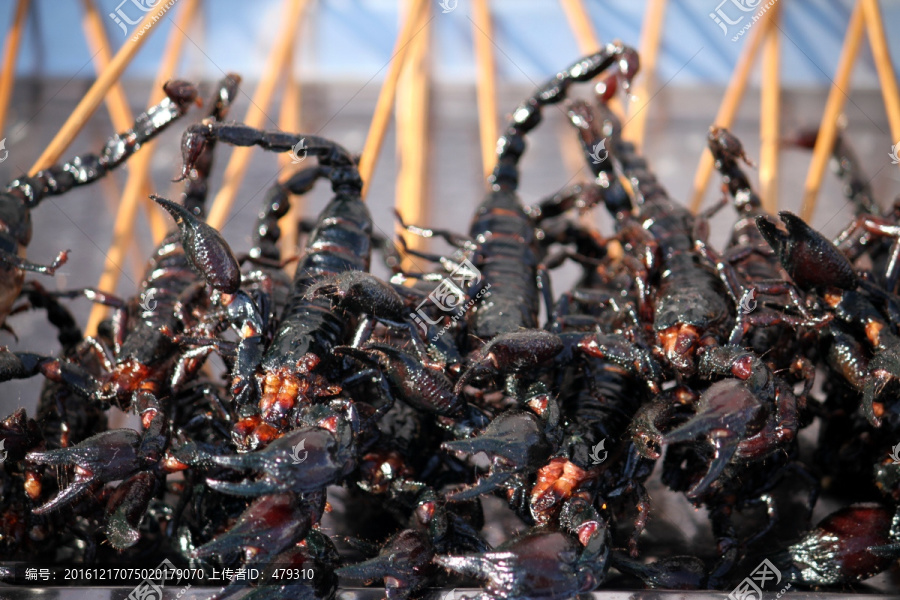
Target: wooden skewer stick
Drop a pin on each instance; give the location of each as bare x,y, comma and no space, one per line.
139,170
651,34
731,101
10,54
95,95
256,116
580,22
886,74
116,100
482,34
289,120
117,104
834,106
386,96
770,117
412,135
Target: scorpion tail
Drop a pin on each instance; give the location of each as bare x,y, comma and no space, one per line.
205,247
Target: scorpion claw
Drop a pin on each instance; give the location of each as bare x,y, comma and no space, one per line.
403,563
486,485
126,508
807,256
271,524
728,410
205,247
306,460
107,456
872,388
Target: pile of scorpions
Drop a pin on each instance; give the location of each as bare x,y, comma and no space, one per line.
419,397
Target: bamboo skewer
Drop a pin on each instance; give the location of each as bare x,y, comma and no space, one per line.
385,102
115,99
412,134
587,40
96,93
651,34
139,173
770,114
256,116
837,97
10,54
886,74
117,103
731,101
289,120
482,34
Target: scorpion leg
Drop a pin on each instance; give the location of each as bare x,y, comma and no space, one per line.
17,262
328,458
